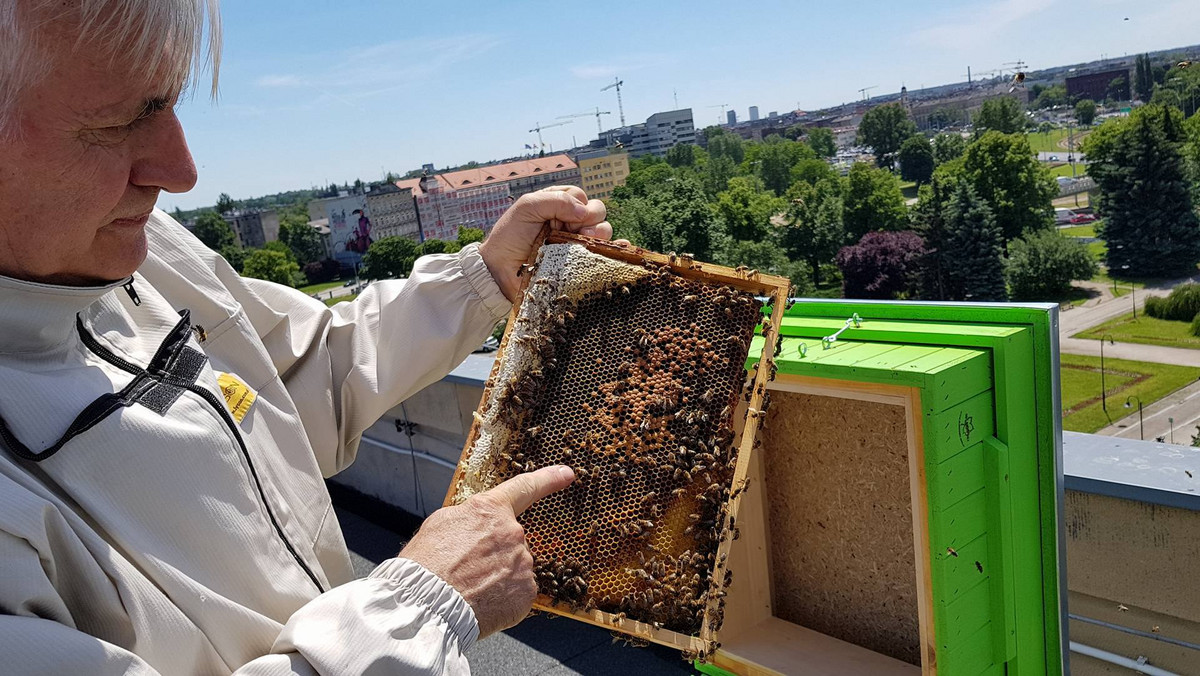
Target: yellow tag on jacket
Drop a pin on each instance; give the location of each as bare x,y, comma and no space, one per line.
239,397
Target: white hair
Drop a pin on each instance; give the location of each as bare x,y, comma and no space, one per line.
181,38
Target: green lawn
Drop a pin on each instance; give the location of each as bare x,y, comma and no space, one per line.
1088,230
334,301
1123,283
1065,170
318,288
1145,330
1082,409
1048,142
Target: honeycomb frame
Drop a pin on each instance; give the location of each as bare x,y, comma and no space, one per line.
633,265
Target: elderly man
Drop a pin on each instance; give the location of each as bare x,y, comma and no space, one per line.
165,425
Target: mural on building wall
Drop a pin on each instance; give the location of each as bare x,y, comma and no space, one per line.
349,229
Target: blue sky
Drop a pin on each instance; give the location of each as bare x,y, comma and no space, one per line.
320,91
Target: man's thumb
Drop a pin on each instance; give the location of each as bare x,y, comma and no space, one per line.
523,490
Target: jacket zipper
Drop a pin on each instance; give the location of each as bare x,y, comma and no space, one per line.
107,355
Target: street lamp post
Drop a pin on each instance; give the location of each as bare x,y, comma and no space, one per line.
1171,422
1141,422
1103,388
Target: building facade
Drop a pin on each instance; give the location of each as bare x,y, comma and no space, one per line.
392,211
731,117
254,227
753,113
660,132
1095,86
602,170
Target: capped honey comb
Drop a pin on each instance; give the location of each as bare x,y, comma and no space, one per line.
630,373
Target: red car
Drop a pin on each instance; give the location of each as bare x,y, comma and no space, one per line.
1080,219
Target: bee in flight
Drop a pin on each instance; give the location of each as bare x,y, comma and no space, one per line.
1017,81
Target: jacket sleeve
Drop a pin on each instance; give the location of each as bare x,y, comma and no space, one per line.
346,365
402,619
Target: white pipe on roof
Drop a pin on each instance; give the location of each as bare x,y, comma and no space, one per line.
1120,661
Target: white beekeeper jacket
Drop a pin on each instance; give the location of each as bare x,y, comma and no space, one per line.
146,528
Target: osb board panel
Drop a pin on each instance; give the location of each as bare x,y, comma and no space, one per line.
1134,553
840,518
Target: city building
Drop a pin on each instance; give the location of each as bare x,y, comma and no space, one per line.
483,205
520,177
1095,86
731,117
254,227
753,113
392,211
602,170
321,225
660,131
439,211
845,137
350,231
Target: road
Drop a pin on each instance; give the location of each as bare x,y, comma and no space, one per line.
1062,156
1174,418
1179,411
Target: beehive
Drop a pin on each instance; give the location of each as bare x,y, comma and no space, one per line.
903,509
628,366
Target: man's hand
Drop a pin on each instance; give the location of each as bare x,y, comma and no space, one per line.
479,548
508,245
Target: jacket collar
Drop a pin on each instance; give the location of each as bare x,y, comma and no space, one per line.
36,317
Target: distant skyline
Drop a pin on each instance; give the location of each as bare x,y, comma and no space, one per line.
319,92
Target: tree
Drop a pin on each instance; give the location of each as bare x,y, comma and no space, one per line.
813,171
676,218
916,159
1041,265
885,128
746,208
727,145
681,155
211,229
775,158
1049,97
318,272
873,201
1117,90
813,231
390,257
225,203
717,172
1150,226
470,236
1191,154
974,238
881,266
1005,173
948,147
822,142
430,247
234,255
1085,112
1180,88
1143,78
301,238
1002,114
271,265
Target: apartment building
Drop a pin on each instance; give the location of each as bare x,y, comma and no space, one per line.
602,170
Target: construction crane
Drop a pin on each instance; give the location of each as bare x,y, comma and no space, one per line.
722,106
866,92
598,113
539,127
617,82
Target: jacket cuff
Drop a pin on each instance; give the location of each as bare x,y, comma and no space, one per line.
482,283
416,585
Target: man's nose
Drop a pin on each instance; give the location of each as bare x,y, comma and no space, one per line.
164,160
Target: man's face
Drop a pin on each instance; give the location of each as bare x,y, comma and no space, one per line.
92,149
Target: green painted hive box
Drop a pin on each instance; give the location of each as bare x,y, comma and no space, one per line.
903,510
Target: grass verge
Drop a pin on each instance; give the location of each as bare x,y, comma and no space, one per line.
1145,330
1083,409
334,301
318,288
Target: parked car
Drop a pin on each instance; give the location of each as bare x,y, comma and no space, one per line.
1063,216
1080,219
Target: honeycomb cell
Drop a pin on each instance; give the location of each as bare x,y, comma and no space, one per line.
629,374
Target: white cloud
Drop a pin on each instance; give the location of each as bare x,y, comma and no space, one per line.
980,24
